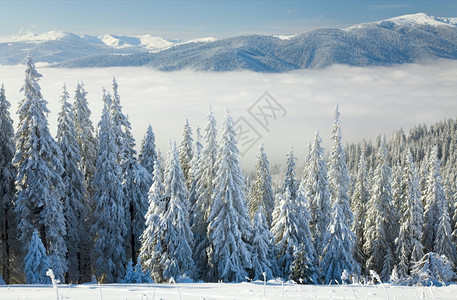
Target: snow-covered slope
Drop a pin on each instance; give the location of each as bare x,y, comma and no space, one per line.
404,39
59,46
34,38
219,291
147,41
422,19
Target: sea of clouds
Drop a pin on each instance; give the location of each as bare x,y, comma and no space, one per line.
372,100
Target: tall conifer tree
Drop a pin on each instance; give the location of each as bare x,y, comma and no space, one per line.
202,193
39,183
109,251
261,192
7,188
229,228
75,193
378,246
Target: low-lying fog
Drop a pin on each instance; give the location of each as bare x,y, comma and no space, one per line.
372,100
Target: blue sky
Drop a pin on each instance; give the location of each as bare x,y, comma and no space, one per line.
191,19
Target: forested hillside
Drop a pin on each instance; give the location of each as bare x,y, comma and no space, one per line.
85,205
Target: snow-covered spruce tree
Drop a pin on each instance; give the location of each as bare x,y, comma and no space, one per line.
7,188
36,261
174,245
408,243
360,199
290,229
443,243
39,179
433,195
148,154
339,182
136,184
85,135
197,151
289,178
150,249
120,124
378,246
136,181
439,236
261,192
75,195
84,130
109,252
229,228
398,195
186,153
303,265
338,249
338,175
204,174
318,195
262,248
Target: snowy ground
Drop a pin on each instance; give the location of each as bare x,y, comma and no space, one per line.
189,291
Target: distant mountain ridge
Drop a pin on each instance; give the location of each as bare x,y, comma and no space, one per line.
404,39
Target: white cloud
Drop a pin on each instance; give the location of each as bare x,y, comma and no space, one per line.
372,100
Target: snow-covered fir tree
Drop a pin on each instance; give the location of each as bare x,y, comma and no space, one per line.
229,227
202,193
39,183
318,195
36,261
197,151
398,196
263,259
175,240
303,264
339,182
7,188
75,195
109,252
261,192
360,199
87,142
338,248
434,198
136,184
409,247
85,135
136,180
148,154
443,243
124,157
150,249
437,236
378,246
289,178
186,153
338,175
290,229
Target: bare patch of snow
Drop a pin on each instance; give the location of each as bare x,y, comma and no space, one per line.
285,37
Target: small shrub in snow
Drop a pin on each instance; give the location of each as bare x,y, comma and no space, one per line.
36,261
433,269
135,274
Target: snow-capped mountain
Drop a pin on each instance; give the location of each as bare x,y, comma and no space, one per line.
404,39
59,46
